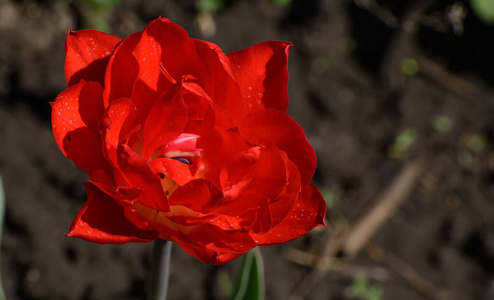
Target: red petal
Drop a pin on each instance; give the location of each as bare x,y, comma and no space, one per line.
220,83
204,240
271,125
178,51
261,71
138,174
87,53
280,208
166,120
253,187
307,212
153,79
101,220
118,122
74,117
173,169
122,70
216,250
274,212
198,195
219,147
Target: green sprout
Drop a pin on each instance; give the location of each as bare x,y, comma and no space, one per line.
402,143
409,66
442,124
281,3
361,289
476,143
209,6
95,13
330,196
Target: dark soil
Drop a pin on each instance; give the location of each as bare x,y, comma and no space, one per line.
349,92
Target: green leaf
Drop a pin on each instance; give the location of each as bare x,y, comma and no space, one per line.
2,213
249,284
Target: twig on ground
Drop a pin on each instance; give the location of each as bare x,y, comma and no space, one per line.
411,276
347,246
387,204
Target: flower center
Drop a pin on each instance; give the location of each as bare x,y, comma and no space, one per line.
178,162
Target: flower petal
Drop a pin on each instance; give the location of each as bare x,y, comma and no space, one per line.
221,85
138,174
262,73
215,246
307,212
153,79
178,51
198,195
270,125
87,53
122,70
219,147
166,120
74,117
117,123
251,187
102,221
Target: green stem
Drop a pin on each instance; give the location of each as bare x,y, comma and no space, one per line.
160,270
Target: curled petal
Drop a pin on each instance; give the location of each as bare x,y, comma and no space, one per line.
137,173
216,247
198,195
251,187
262,72
274,126
223,88
102,221
307,212
272,214
219,147
87,53
122,70
116,125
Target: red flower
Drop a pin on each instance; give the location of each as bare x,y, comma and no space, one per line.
185,143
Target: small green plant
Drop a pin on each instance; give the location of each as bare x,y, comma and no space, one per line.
281,3
95,13
209,6
402,143
442,124
476,143
409,66
362,290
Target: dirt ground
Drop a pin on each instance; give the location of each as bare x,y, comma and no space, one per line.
395,96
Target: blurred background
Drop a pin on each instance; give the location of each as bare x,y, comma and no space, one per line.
395,96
